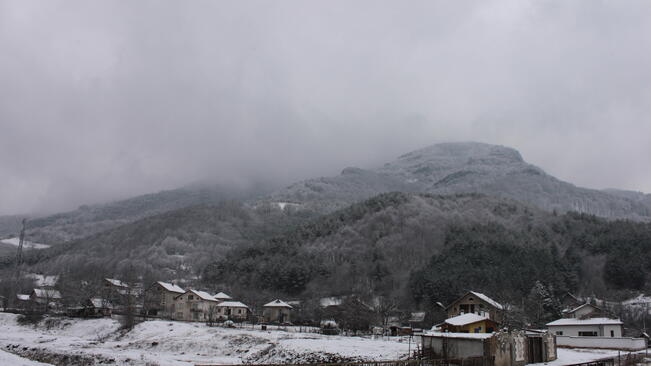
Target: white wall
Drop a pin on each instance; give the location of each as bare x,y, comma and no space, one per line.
629,344
573,330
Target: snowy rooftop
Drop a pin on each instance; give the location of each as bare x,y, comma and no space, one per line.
171,287
232,304
590,321
203,295
115,282
639,300
488,299
43,280
100,303
50,294
465,319
569,311
459,335
330,301
222,296
277,304
22,297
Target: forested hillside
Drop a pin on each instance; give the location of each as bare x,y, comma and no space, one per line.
173,245
424,248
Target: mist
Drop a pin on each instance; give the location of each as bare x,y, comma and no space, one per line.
104,100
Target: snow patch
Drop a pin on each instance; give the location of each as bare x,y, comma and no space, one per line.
26,244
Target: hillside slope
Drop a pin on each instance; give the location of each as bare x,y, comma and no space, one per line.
91,219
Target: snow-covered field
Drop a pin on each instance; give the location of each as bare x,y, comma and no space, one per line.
7,359
26,244
176,343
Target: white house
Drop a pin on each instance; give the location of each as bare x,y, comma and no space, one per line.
591,327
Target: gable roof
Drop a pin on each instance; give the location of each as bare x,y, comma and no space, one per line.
232,304
278,304
570,311
50,294
589,321
222,296
465,319
203,295
171,287
481,296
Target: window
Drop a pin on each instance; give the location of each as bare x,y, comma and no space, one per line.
612,333
587,334
190,297
239,311
559,332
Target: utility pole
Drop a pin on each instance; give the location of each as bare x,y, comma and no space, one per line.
19,259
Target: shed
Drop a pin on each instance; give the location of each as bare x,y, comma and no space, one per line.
277,311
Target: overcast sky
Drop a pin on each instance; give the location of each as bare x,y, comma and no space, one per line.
102,100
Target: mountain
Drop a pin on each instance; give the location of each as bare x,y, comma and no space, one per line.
464,168
91,219
446,168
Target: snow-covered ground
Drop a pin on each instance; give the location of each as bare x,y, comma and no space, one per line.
176,343
7,358
27,244
573,356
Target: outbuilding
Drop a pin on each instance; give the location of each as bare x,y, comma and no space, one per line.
277,311
591,327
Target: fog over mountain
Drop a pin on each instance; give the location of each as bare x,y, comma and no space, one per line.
102,101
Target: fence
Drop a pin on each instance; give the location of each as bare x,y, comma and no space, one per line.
471,361
626,344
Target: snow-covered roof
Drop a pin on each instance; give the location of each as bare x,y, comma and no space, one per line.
465,319
43,280
232,304
570,311
488,299
330,301
459,335
22,297
417,316
638,300
222,296
589,321
100,303
203,295
50,294
117,283
278,304
171,287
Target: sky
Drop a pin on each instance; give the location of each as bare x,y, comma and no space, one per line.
103,100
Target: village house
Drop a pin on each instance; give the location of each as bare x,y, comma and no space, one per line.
195,305
598,333
23,302
277,311
590,327
45,299
232,310
159,299
476,303
469,323
584,311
